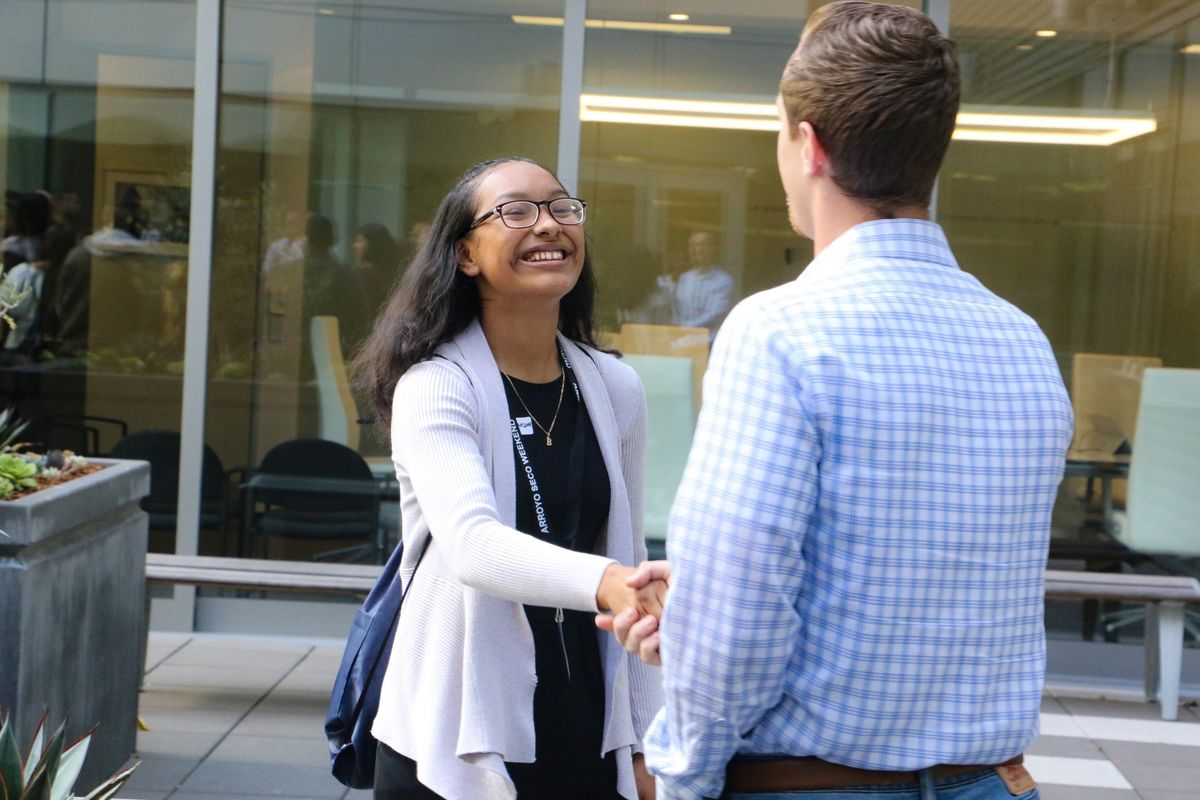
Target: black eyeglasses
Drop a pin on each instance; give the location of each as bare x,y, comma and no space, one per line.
525,213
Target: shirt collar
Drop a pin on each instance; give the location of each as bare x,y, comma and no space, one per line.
894,239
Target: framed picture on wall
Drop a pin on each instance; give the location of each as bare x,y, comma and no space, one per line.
152,206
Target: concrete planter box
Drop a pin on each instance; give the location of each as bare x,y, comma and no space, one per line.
72,608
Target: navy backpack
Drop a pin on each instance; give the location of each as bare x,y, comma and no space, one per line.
355,697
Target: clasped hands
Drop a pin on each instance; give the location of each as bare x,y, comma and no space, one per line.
634,598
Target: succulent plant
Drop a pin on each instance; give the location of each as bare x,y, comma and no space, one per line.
16,472
50,771
21,468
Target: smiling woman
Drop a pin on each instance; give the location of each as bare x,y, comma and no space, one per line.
485,365
524,263
470,269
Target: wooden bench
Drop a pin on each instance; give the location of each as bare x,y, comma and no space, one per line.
1164,596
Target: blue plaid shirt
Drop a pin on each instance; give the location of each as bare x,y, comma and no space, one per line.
858,545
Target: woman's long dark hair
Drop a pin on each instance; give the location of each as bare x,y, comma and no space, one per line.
436,301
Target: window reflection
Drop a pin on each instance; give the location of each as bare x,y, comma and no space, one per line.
342,125
1092,241
684,221
1086,239
95,163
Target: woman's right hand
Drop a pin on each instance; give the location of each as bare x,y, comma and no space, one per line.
638,635
615,594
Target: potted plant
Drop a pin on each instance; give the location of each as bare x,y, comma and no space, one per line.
72,591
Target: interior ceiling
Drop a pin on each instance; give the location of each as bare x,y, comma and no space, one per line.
997,17
1081,17
1092,32
1006,63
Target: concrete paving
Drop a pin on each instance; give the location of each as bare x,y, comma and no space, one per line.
240,718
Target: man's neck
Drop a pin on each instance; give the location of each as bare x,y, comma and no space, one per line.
834,213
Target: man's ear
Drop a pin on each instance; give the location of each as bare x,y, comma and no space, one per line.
812,152
466,263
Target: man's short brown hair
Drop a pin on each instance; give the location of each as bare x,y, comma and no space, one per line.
880,86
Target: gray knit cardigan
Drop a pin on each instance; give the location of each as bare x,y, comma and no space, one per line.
458,693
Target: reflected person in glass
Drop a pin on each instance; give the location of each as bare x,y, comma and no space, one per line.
377,259
330,287
704,293
518,445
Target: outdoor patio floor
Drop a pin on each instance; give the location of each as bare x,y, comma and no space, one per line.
241,718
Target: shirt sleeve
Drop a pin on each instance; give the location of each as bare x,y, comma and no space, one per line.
731,623
21,281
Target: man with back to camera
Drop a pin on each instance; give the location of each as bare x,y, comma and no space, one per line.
858,544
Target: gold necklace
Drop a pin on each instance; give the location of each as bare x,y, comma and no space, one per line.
561,385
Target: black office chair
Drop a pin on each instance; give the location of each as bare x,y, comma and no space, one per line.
161,448
80,433
315,490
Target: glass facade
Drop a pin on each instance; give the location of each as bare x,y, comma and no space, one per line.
95,163
337,141
1070,189
1098,243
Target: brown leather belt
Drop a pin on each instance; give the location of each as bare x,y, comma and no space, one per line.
748,774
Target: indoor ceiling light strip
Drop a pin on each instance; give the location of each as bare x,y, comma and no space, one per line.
680,105
1016,136
1043,126
680,120
630,25
1025,119
979,123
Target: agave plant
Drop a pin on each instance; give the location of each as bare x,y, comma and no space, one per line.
10,427
50,770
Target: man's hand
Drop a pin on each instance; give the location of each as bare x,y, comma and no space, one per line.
650,571
639,633
624,588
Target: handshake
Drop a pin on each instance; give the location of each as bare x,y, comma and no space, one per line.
632,599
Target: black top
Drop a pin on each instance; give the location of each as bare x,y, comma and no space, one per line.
568,704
